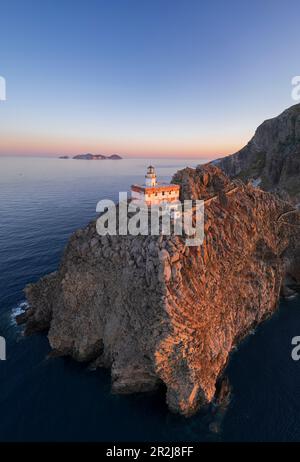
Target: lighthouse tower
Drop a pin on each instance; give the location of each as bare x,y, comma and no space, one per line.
150,177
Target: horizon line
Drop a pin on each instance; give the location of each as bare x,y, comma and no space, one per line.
123,156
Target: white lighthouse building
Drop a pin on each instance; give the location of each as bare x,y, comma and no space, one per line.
154,193
150,177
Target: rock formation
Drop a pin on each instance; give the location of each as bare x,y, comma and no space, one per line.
90,156
157,311
271,159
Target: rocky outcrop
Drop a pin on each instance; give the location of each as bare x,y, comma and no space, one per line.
272,158
157,311
90,156
201,183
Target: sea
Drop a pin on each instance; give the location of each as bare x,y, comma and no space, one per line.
42,202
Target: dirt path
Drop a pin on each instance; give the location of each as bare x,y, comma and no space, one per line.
288,213
279,218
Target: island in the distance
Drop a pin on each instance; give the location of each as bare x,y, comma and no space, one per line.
90,156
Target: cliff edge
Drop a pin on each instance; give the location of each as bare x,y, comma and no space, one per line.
271,159
156,311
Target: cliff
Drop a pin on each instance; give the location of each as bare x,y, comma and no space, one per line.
156,311
272,157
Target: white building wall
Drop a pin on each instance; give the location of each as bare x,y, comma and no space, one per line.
156,197
138,196
150,181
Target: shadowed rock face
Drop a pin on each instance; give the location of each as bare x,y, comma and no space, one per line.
272,156
154,310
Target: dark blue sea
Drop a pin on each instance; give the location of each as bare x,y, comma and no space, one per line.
42,201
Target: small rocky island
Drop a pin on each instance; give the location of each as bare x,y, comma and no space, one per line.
155,311
90,156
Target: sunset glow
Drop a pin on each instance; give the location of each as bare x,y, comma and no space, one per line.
47,146
158,78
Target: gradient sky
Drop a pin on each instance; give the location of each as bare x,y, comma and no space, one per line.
143,77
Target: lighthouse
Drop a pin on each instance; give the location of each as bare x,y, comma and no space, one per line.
150,177
153,192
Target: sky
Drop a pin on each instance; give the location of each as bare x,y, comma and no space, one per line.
159,78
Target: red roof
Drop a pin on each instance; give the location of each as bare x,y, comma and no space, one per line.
155,189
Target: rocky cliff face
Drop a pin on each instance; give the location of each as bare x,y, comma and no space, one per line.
272,157
156,311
